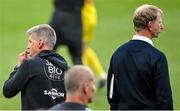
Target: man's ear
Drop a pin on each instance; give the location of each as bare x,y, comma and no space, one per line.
85,88
41,43
150,25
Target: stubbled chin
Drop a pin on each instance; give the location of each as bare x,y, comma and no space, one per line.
155,35
90,101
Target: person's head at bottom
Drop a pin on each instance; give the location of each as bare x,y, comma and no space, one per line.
80,85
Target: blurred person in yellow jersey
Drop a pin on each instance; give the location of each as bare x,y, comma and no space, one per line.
89,58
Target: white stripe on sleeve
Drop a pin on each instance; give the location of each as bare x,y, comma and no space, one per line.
111,87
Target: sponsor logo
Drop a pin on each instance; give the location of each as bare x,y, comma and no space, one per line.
52,72
53,93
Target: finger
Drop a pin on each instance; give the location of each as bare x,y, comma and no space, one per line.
27,51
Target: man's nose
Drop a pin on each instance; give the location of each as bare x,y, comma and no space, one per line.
162,26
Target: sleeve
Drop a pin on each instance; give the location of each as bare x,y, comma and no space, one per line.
16,80
162,85
112,95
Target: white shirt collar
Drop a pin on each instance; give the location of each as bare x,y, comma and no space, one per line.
142,38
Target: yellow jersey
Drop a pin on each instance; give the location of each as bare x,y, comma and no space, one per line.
89,21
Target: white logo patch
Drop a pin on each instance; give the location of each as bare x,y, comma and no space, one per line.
52,72
53,93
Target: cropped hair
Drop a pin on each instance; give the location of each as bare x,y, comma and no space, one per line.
143,15
76,76
45,33
73,82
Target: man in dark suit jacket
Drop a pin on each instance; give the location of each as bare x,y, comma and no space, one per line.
138,75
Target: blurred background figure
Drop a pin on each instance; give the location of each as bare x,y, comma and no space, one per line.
67,23
80,88
89,21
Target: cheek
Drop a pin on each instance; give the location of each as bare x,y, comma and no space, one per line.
93,89
30,45
33,45
156,29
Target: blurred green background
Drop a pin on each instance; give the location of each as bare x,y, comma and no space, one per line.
114,28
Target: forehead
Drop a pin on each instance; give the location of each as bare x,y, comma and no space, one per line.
92,77
159,16
32,37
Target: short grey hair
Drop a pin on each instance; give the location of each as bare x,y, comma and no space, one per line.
44,32
75,76
143,15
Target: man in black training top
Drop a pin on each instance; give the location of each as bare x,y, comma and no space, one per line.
67,23
39,74
80,88
138,76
